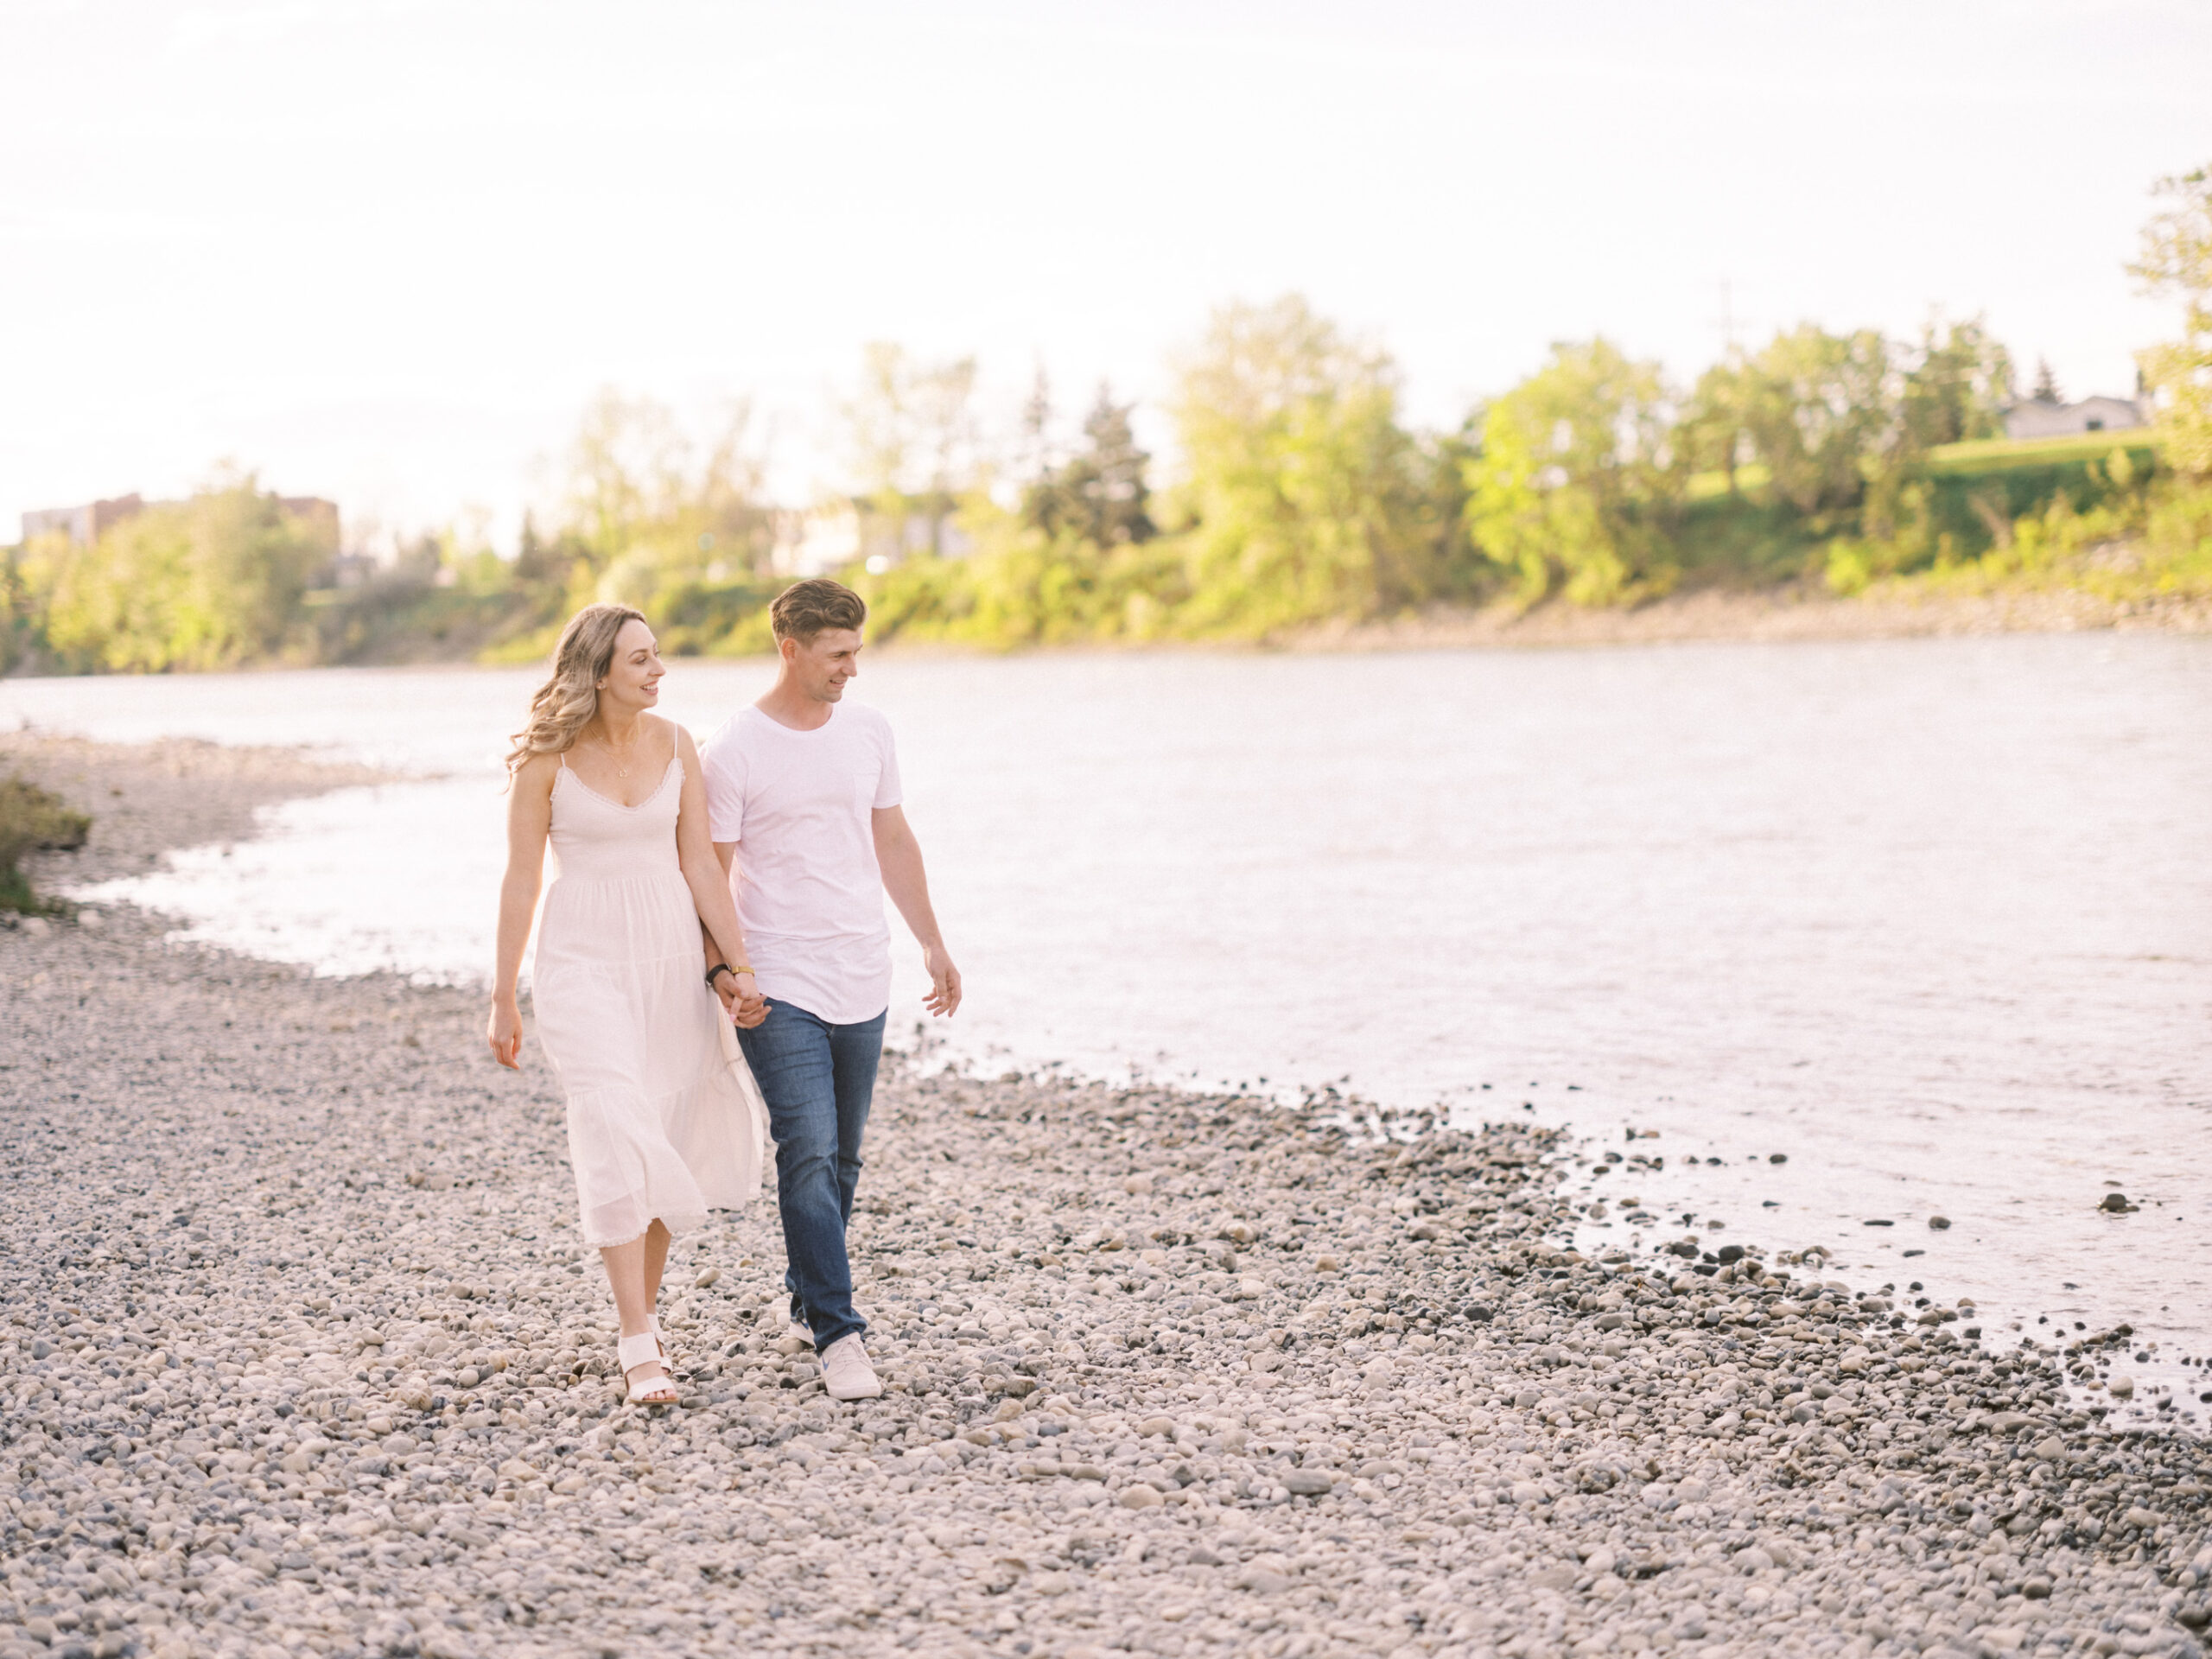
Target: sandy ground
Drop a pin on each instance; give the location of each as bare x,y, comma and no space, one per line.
303,1354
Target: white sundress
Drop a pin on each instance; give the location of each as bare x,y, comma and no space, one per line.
665,1122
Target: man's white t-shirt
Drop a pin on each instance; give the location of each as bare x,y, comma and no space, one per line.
808,890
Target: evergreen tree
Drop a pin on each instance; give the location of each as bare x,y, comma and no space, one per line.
1036,458
2046,389
1099,494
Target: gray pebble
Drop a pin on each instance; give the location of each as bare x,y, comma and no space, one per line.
303,1350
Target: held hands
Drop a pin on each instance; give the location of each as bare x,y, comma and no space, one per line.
742,998
503,1032
944,982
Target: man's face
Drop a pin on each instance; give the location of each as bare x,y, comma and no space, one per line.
821,666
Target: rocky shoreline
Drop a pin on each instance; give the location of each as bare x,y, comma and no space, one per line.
303,1355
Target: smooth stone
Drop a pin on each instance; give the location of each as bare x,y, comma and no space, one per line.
1612,1463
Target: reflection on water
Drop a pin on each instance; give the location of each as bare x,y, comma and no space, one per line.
1930,918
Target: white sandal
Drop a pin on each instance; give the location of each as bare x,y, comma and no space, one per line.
635,1353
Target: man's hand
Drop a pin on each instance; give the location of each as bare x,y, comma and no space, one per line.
901,856
944,982
741,1000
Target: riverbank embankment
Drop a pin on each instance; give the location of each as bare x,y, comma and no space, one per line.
303,1355
1790,613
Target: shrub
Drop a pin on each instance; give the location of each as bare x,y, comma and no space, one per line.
32,820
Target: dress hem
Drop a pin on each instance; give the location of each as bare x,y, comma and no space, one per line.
727,1188
678,1228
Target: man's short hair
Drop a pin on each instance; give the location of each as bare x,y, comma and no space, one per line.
805,609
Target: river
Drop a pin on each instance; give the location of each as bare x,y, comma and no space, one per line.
1931,920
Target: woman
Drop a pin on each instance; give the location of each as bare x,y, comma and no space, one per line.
664,1122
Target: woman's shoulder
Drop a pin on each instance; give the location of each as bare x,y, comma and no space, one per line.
538,770
677,735
674,733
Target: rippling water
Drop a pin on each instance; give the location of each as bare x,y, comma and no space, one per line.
1930,918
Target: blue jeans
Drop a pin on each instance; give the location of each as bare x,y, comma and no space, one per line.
818,1080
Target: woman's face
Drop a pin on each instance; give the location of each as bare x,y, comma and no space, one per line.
632,680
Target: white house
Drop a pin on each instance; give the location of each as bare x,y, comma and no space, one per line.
843,531
2035,420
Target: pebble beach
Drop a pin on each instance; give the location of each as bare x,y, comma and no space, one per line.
303,1354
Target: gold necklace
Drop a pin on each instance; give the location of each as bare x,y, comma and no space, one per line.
620,771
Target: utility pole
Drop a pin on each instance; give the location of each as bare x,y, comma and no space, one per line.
1726,322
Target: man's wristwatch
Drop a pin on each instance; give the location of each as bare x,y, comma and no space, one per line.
724,968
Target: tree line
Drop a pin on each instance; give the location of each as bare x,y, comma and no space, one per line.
1301,494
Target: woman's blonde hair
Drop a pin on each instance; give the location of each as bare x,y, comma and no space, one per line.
563,706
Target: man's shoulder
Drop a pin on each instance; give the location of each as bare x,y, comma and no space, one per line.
866,720
726,743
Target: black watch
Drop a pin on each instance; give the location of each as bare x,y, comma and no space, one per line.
719,967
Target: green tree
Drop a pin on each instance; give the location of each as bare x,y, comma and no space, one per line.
650,512
1576,480
1958,386
214,581
1098,495
1822,411
1303,492
914,448
22,613
1714,432
2177,259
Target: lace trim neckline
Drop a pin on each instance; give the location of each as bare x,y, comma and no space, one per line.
674,765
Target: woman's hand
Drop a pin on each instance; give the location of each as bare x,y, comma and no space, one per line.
741,998
503,1032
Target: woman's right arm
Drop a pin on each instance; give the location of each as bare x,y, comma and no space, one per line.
530,815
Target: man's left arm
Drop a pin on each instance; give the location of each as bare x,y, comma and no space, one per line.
899,856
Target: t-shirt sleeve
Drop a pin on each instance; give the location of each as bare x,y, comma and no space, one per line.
723,768
888,791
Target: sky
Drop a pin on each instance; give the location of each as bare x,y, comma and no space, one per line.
386,250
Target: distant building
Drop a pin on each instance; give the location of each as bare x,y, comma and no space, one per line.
83,525
87,525
854,529
2040,420
817,541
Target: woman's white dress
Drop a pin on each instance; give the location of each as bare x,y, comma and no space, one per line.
665,1119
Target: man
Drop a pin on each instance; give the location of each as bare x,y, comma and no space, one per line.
802,803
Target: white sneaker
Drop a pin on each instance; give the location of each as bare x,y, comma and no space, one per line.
846,1373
